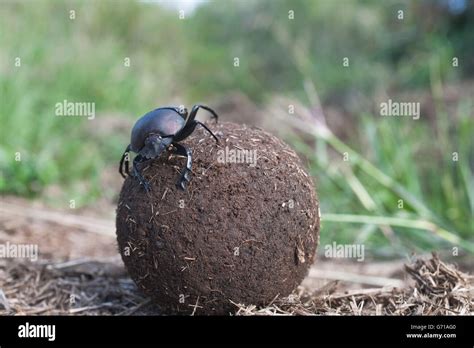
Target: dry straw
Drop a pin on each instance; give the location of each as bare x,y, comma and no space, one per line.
436,288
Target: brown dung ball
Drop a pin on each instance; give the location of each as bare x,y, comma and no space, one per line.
245,230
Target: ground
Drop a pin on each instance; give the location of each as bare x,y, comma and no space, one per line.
79,272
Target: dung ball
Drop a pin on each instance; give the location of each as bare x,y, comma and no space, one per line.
244,231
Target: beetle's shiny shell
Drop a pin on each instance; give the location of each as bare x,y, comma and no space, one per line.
161,121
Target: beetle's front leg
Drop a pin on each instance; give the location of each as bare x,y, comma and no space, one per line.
137,173
185,174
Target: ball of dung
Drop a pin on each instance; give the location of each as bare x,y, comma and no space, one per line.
243,232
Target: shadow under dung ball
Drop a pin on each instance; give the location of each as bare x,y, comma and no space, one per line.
241,232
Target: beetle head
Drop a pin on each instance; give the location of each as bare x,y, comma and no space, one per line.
155,144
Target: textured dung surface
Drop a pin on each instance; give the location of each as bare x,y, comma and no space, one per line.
239,233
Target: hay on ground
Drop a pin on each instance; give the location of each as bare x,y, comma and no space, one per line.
88,287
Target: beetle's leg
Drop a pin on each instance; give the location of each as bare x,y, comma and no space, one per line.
207,108
137,173
125,159
187,130
185,174
192,115
205,127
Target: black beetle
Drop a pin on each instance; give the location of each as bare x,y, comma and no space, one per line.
159,130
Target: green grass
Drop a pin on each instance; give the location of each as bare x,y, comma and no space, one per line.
175,62
400,161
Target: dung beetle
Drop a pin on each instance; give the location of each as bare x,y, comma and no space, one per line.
159,130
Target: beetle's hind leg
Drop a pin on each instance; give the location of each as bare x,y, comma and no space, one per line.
210,132
187,130
137,172
196,107
185,174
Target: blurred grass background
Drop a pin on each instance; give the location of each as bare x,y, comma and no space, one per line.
175,61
